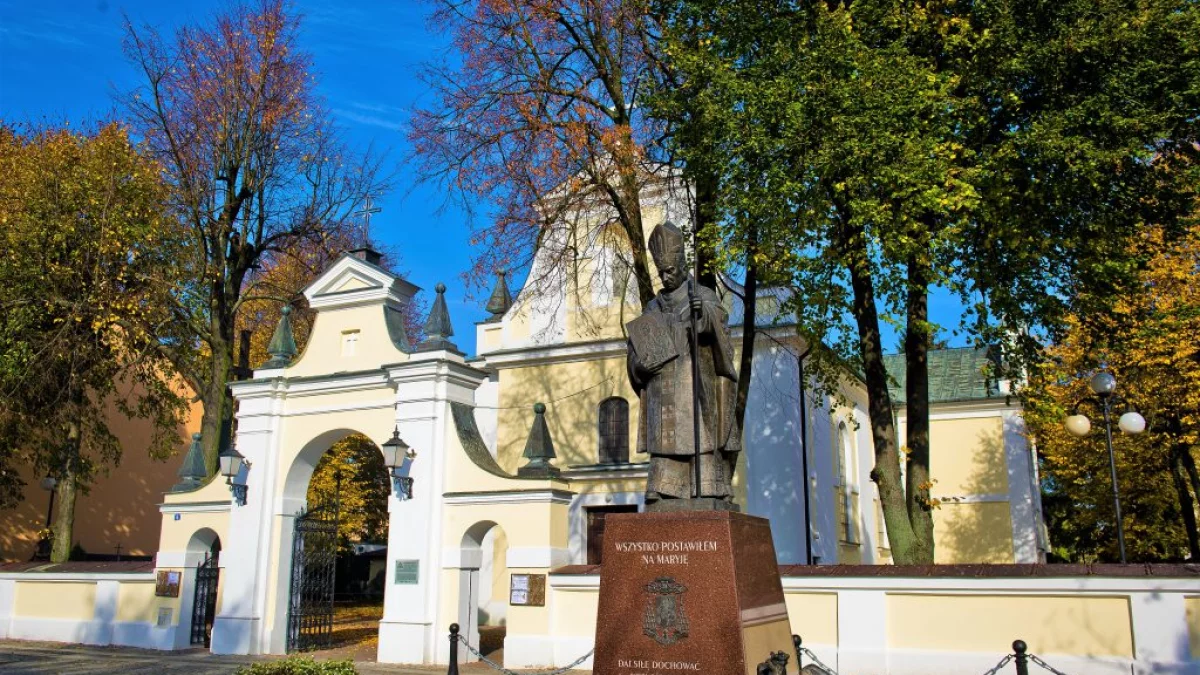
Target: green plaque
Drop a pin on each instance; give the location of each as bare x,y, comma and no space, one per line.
408,571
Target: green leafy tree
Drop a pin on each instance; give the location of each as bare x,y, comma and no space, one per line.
999,151
84,242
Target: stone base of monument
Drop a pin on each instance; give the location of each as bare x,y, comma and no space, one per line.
695,504
689,592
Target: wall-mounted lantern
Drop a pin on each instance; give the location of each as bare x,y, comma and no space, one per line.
399,458
232,462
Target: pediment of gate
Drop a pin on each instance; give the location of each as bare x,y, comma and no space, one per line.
360,323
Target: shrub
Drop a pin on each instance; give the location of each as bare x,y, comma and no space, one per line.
299,665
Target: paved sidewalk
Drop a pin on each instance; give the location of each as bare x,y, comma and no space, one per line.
18,657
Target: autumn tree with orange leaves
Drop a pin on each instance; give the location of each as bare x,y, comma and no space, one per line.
254,166
538,118
1150,339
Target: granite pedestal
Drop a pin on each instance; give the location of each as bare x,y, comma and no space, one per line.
689,592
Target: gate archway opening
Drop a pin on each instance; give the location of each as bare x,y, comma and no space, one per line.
205,544
339,551
483,590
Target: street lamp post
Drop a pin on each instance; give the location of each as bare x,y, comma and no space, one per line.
1104,386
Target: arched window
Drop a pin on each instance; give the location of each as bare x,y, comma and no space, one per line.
614,431
848,479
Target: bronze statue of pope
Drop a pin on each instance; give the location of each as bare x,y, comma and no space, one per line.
661,367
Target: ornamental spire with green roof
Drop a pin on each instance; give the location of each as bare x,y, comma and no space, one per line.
283,346
501,299
438,328
192,472
539,449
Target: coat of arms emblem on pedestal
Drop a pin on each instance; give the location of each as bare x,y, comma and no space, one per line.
665,621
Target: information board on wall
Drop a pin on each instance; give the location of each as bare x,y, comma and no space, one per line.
166,583
527,589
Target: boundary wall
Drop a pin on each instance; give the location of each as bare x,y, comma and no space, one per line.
92,603
945,619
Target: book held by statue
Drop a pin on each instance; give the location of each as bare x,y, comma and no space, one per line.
653,339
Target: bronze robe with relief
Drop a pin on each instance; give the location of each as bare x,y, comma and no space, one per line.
665,427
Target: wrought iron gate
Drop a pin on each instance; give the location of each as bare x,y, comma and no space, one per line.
314,560
204,604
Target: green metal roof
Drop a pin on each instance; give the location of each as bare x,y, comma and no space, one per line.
954,375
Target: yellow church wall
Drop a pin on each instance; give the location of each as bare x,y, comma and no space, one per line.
529,620
518,323
327,351
813,616
500,566
574,611
1083,625
967,456
491,338
55,599
524,524
973,533
136,602
1192,607
177,534
572,419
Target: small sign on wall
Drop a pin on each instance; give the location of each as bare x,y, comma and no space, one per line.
527,589
166,585
164,617
408,572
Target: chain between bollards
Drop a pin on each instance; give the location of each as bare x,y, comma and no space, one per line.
453,670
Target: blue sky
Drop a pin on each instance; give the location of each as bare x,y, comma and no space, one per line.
62,60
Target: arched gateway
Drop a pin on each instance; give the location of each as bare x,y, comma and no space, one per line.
359,374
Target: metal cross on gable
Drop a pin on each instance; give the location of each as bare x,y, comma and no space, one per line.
366,211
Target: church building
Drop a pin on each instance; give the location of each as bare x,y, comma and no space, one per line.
522,450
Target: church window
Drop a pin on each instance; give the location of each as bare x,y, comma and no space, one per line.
848,485
349,342
614,431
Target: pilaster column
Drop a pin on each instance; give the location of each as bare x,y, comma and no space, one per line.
425,387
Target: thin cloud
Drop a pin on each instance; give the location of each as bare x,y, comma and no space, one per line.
369,120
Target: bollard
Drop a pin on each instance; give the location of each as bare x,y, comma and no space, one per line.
453,670
1020,658
799,653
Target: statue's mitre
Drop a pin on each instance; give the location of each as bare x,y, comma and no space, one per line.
666,242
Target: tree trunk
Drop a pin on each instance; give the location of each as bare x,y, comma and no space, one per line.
66,491
630,195
1189,464
886,473
916,352
216,421
749,318
706,217
1186,504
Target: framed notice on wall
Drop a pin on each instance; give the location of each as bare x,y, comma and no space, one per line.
166,584
528,590
408,572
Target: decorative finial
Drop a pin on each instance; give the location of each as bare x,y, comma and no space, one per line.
438,328
500,300
283,346
539,449
192,471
